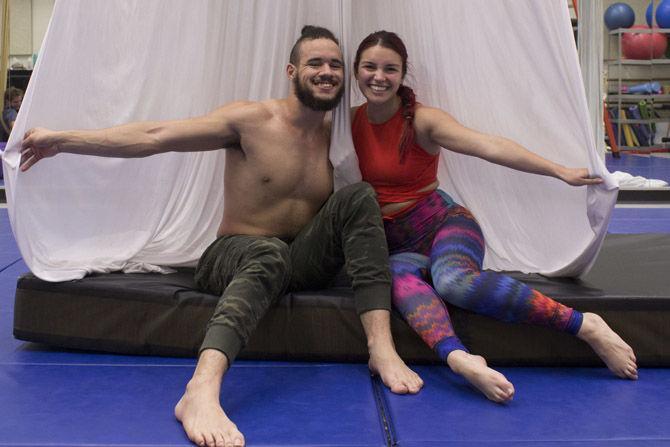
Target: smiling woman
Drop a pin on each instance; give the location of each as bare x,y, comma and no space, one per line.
379,74
436,245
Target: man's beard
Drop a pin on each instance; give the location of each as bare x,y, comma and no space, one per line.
309,100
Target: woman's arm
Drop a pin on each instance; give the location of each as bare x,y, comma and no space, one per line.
442,129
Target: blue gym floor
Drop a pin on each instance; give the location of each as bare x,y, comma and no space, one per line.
50,397
654,166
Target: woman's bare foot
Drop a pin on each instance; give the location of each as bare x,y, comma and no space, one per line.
204,421
393,371
475,370
615,352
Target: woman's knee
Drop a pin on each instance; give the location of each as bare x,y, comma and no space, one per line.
453,284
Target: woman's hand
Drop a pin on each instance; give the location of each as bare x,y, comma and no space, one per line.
578,177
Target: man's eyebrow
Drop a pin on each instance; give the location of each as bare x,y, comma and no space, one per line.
321,60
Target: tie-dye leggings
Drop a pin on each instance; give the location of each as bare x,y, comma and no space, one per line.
437,249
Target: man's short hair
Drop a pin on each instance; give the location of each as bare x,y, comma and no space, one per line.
310,32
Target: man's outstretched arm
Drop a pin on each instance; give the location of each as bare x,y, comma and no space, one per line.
215,130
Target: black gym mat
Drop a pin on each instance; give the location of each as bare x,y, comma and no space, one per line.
164,315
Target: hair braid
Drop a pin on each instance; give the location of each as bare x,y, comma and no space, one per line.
408,105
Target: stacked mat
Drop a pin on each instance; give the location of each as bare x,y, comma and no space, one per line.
165,315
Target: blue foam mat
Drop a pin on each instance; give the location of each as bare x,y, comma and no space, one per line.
56,397
75,405
640,220
9,252
645,166
642,213
300,404
535,443
576,406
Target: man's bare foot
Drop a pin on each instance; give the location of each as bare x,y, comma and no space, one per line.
476,371
384,360
204,421
199,409
393,371
615,352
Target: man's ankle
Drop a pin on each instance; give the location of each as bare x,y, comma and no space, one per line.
212,365
380,343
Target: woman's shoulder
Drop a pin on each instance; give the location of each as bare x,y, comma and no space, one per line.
426,115
423,114
422,109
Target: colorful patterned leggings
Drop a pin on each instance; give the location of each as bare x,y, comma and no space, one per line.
437,249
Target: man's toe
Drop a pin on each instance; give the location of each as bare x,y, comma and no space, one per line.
399,388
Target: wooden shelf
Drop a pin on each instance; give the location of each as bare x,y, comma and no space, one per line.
642,121
637,62
636,98
650,149
639,31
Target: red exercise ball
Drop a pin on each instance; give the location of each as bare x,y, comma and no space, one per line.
643,45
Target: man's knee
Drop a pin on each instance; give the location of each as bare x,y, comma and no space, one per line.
357,196
360,189
271,258
247,257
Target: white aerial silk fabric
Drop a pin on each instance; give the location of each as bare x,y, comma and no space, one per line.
590,45
507,67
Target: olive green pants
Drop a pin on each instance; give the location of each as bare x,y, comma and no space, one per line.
251,272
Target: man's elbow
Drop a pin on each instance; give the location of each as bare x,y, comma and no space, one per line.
151,145
151,141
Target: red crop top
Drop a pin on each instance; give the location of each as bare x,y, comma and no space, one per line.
379,160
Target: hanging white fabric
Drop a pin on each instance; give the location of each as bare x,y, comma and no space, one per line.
590,45
506,66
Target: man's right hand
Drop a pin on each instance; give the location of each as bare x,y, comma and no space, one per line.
38,143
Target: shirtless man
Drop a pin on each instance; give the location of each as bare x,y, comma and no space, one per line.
282,226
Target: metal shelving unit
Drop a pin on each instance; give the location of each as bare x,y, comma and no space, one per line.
624,72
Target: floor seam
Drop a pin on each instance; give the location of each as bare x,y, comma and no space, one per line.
383,412
9,265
